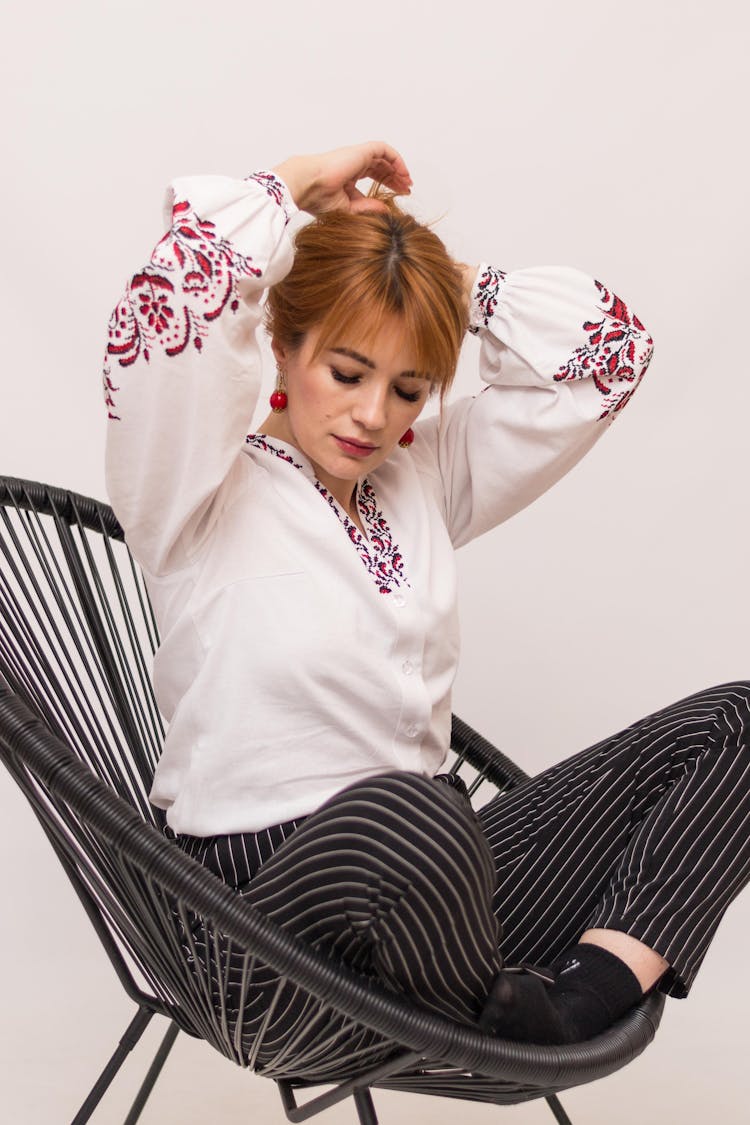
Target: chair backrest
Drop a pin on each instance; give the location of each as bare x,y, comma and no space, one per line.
77,639
77,636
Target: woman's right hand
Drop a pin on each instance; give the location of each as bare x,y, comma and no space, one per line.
328,181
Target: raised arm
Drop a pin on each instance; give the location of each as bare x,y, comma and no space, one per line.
182,369
561,355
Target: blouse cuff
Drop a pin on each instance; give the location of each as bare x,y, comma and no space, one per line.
277,190
485,296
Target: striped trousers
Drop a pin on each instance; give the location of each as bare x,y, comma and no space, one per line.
647,832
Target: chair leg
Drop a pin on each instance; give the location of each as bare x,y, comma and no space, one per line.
365,1108
357,1088
153,1073
135,1030
559,1113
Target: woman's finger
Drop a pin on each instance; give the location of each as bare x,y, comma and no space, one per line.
360,202
385,164
391,173
383,151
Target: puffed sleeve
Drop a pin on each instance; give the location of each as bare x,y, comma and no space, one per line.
182,366
561,355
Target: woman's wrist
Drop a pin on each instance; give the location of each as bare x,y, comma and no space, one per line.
298,174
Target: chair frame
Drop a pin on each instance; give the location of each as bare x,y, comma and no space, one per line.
431,1054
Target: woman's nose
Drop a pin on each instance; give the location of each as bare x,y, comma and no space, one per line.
370,408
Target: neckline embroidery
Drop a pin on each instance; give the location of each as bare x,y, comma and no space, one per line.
379,554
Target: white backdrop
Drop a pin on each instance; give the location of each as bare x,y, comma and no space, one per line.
609,137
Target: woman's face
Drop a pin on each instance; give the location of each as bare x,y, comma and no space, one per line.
348,407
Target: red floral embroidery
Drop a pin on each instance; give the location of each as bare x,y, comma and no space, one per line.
617,354
380,555
486,295
271,183
191,279
261,442
109,390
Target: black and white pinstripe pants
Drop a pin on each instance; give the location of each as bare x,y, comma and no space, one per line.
647,832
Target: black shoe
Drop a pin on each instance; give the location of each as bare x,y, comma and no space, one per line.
518,1007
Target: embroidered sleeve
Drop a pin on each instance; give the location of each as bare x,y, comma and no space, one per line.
561,355
606,344
182,370
191,280
615,356
484,297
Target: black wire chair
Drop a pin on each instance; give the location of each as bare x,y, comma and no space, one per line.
80,733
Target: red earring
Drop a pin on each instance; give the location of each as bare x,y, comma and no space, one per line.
278,399
406,439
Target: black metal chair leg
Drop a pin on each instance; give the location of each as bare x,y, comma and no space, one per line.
153,1073
357,1088
365,1107
135,1030
559,1113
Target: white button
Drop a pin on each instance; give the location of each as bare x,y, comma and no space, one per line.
407,667
411,732
399,600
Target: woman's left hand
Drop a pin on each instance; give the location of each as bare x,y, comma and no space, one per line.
328,181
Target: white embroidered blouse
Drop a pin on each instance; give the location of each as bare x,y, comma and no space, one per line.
297,654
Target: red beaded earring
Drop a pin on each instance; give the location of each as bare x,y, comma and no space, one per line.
406,439
278,399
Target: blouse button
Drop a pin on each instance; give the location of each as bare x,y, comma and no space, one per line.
407,667
412,731
399,600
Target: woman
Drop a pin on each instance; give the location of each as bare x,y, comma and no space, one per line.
304,584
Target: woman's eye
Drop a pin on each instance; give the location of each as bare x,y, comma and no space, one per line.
340,377
410,396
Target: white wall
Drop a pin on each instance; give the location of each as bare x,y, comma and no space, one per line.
612,137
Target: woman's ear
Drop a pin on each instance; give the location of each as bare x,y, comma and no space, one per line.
280,353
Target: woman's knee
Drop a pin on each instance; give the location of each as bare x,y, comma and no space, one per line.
392,781
399,793
424,821
407,794
728,704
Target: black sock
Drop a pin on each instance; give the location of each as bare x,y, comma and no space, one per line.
593,988
582,993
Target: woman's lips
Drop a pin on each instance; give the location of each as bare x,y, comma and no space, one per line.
354,448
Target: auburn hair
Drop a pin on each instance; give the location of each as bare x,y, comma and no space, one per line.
352,270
